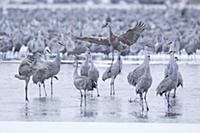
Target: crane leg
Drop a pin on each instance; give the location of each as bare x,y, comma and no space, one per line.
112,92
85,97
81,98
26,90
44,89
174,93
112,59
98,95
168,102
51,86
39,90
111,89
141,99
114,87
145,98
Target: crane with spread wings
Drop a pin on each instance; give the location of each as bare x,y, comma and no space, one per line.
118,43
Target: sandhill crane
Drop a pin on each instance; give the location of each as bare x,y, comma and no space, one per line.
145,81
40,73
51,68
82,83
93,74
25,71
168,71
170,82
5,45
112,72
85,66
191,48
118,43
135,75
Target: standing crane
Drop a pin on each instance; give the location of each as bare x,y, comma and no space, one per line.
112,72
25,72
170,82
82,83
145,81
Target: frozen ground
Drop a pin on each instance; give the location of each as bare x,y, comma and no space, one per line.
64,106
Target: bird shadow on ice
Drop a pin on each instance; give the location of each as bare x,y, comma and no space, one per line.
89,113
137,112
90,110
42,108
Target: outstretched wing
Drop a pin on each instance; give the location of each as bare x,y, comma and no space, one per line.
132,35
100,41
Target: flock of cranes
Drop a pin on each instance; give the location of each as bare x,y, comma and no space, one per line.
86,79
40,70
36,29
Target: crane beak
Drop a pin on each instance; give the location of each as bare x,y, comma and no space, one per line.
149,57
61,43
177,59
105,25
48,50
169,43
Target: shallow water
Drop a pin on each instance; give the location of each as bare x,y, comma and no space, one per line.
64,106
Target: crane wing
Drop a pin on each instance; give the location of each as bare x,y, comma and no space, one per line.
132,35
100,41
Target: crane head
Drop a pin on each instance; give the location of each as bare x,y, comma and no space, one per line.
108,22
176,59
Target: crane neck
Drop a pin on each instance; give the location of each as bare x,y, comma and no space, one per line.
58,59
147,68
172,60
111,35
76,69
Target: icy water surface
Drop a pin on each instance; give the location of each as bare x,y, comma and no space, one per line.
64,106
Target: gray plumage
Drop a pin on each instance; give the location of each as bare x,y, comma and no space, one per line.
170,82
25,72
192,47
49,68
134,76
119,43
144,82
169,70
93,74
112,72
82,83
39,77
180,80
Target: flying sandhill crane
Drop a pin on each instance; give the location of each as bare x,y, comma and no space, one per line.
145,81
170,82
112,72
25,72
118,43
82,83
93,74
